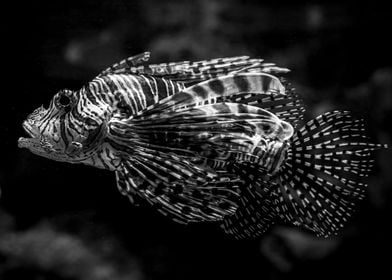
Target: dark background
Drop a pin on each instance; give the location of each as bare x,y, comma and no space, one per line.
63,221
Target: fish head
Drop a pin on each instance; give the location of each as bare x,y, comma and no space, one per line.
64,131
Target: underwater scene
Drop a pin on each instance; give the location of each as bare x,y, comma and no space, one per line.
200,139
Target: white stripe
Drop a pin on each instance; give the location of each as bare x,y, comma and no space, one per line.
143,101
124,94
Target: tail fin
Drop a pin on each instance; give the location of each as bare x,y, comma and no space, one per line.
322,178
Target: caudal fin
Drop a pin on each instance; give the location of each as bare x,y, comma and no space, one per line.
323,176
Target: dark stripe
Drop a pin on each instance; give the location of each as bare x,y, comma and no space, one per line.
76,114
276,159
173,87
72,124
62,130
104,88
67,127
91,97
162,92
168,86
216,86
200,91
117,146
242,83
266,81
97,89
47,119
112,87
147,88
103,161
127,87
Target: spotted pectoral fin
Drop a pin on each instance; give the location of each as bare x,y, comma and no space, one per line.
178,188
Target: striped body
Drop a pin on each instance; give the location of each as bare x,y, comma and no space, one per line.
214,140
128,95
125,95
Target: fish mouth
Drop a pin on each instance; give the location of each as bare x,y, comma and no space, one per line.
33,140
39,144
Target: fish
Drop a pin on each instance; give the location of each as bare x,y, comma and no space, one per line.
221,140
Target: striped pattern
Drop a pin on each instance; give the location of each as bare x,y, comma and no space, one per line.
191,72
255,213
126,95
322,179
214,140
223,89
201,128
220,132
178,188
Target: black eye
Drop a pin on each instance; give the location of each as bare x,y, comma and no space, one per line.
64,100
266,128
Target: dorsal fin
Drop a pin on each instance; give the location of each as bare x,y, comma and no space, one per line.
189,72
126,65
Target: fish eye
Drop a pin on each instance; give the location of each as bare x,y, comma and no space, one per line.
266,128
64,100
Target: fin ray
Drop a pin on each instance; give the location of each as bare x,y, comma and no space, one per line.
320,183
180,189
189,72
255,213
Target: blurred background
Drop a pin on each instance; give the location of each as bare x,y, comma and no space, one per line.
63,221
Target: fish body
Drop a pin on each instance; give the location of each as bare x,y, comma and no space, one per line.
215,140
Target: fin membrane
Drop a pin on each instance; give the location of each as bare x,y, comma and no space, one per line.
127,64
184,191
192,72
256,212
222,89
226,131
322,179
199,123
288,107
257,89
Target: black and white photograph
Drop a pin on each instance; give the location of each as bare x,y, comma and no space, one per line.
189,140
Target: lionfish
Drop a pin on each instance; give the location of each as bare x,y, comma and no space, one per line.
215,140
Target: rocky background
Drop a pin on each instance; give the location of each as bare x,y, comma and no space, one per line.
62,221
